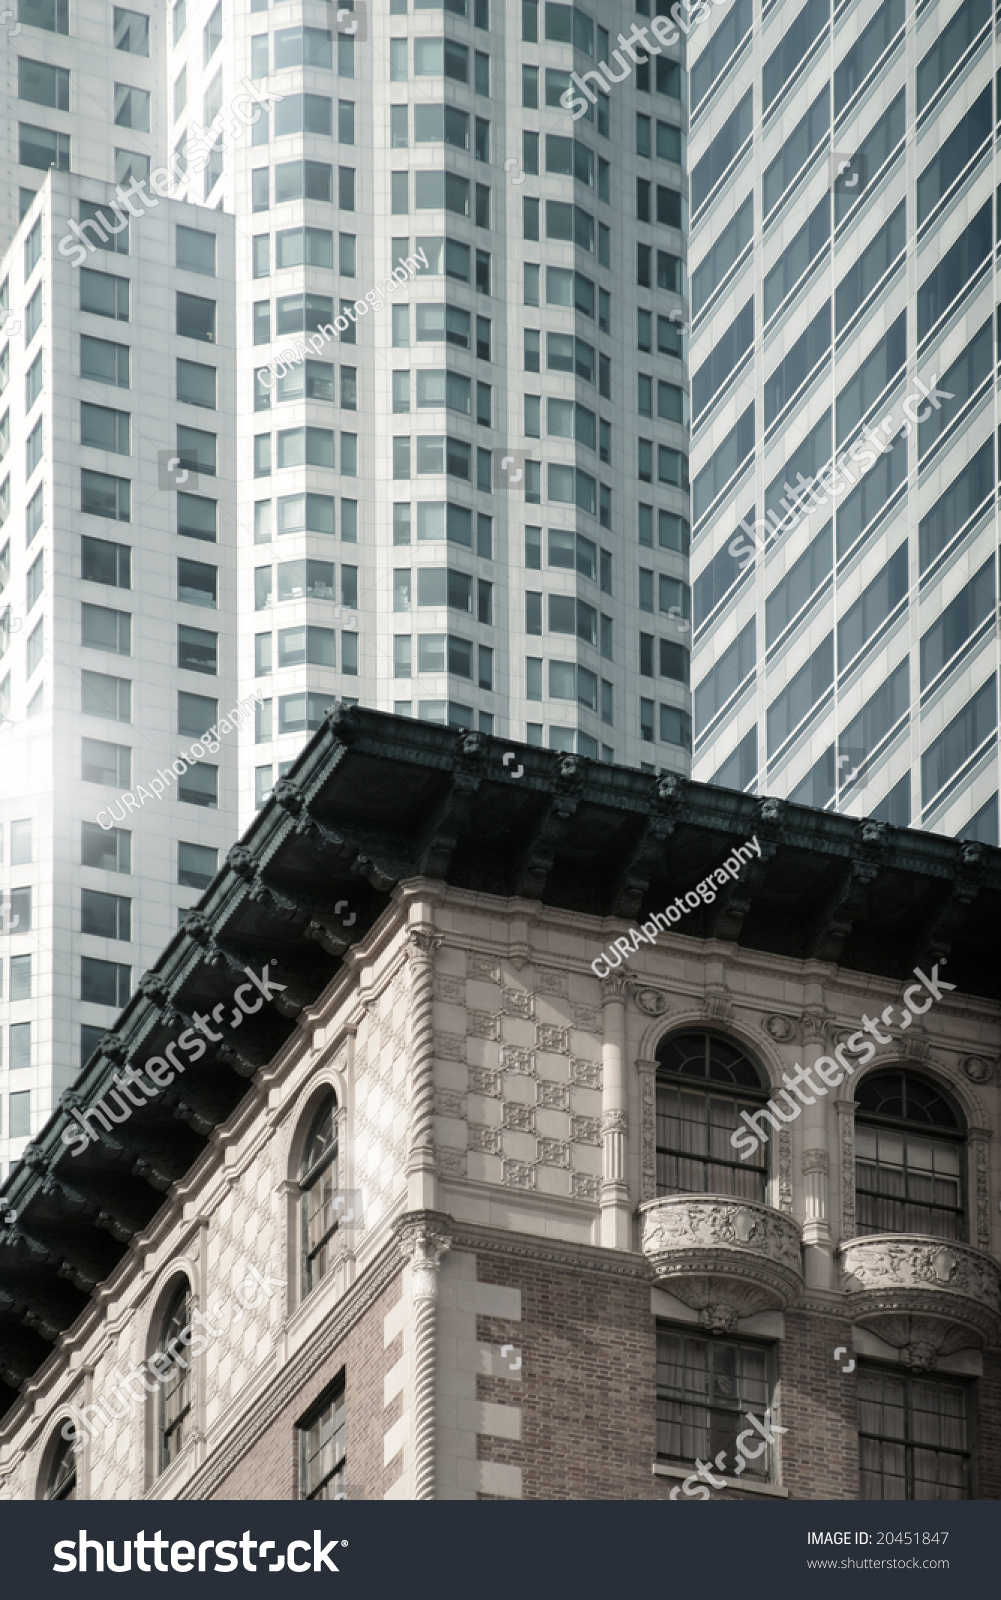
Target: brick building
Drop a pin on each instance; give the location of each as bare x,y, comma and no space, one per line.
403,1200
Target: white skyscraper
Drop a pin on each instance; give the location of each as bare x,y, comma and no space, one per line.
81,87
117,613
470,505
466,501
844,409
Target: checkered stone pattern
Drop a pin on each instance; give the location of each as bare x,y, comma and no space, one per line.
519,1087
379,1116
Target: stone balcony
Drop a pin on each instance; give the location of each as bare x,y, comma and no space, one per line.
926,1297
724,1258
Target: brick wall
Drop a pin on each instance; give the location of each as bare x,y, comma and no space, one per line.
587,1381
269,1470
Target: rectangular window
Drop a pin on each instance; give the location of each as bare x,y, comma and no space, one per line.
963,736
197,649
197,865
52,15
733,669
796,151
19,1104
104,629
199,785
104,983
802,694
106,916
914,1436
108,849
105,429
104,696
706,1387
43,148
104,294
106,763
731,139
42,84
196,516
322,1435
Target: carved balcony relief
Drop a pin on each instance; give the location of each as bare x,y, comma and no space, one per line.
926,1297
724,1258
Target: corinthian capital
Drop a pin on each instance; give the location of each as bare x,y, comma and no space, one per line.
423,1244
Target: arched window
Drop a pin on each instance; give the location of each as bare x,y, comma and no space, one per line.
703,1085
318,1189
61,1483
175,1377
908,1158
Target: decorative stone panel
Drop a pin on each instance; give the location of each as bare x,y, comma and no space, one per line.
585,1074
450,1046
585,1130
550,980
555,1040
452,1163
517,1003
586,1018
519,1174
554,1153
451,990
552,1096
520,1118
484,1025
484,1080
515,1062
585,1186
486,968
485,1138
449,1103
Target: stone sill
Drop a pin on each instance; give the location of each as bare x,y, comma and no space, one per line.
745,1485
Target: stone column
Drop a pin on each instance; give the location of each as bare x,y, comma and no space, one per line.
846,1150
422,1182
616,1212
424,1242
816,1229
647,1073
